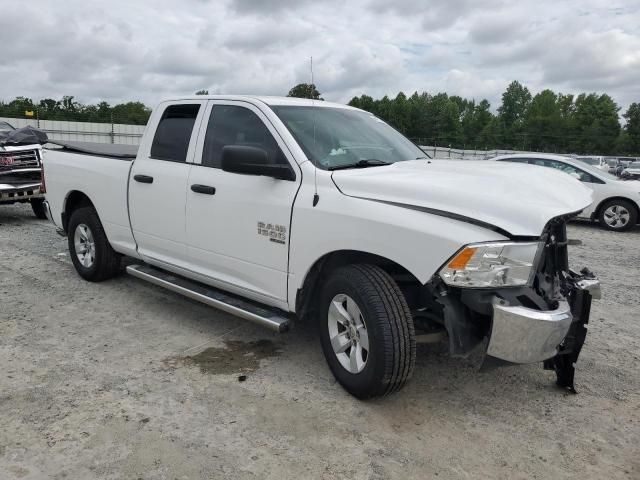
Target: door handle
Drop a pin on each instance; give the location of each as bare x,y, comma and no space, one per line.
206,189
143,178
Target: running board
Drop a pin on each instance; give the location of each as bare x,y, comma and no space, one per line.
235,305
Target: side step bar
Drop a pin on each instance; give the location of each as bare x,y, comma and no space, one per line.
265,316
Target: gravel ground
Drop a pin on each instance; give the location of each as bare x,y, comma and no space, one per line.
123,380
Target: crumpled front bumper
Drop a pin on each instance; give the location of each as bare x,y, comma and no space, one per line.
556,337
524,335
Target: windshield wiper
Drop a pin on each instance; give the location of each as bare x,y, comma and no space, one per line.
365,162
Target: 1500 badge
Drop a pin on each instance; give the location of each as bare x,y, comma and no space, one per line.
275,233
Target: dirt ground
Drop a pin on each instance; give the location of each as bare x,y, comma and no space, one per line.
123,380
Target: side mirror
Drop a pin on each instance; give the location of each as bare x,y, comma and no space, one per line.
253,161
575,175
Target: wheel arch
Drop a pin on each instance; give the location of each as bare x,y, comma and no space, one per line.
328,262
596,212
75,199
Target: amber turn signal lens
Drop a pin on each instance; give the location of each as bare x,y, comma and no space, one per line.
460,261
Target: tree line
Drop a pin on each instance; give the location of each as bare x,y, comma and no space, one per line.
587,123
135,113
547,122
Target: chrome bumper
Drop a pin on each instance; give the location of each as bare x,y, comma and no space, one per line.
15,193
524,335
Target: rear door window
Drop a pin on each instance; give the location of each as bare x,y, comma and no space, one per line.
173,134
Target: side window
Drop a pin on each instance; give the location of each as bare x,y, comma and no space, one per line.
570,169
173,134
234,125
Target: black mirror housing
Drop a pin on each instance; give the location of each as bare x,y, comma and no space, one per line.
253,161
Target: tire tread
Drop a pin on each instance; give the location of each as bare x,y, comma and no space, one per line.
394,323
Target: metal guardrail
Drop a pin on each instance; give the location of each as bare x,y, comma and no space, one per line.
84,131
460,154
112,135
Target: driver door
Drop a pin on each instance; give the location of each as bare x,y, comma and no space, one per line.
238,225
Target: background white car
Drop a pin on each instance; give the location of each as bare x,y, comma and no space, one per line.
616,202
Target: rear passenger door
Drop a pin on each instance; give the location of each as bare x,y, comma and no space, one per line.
158,182
238,225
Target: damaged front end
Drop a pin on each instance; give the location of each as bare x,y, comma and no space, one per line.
541,320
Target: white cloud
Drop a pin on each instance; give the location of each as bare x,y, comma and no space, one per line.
147,50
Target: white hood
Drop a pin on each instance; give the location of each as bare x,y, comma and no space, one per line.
517,198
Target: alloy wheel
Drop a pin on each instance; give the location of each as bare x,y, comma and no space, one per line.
348,333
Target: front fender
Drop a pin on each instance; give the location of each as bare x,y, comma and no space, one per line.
419,242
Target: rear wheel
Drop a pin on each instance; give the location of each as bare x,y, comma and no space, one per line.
91,253
618,215
366,331
37,205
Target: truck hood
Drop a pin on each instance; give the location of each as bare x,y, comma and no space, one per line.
19,148
515,199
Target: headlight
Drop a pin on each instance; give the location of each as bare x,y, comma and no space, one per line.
500,264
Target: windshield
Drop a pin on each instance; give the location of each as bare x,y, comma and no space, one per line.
338,137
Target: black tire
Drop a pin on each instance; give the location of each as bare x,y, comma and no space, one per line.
392,347
37,205
106,263
622,204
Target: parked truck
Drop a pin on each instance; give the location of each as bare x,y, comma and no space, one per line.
280,209
20,168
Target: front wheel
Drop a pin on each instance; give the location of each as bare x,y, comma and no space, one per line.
618,215
37,205
90,251
367,331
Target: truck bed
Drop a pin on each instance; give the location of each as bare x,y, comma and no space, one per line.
102,178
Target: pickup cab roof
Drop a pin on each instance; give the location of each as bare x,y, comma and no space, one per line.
268,100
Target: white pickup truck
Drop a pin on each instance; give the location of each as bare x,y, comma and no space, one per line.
280,209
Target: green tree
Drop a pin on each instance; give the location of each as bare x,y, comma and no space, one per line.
305,90
399,113
131,112
632,128
595,125
542,123
445,118
474,118
624,145
492,135
202,92
515,102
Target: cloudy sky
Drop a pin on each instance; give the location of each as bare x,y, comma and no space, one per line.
121,50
